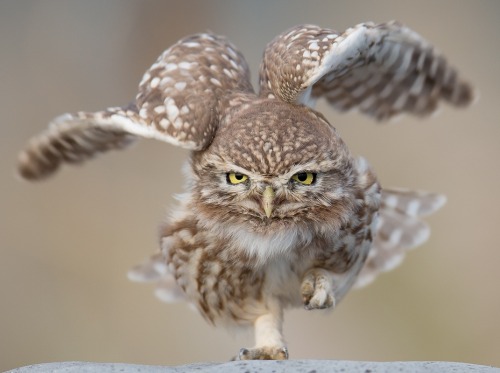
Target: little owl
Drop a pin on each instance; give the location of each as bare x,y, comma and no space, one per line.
277,213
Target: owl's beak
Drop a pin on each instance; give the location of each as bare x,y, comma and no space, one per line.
267,200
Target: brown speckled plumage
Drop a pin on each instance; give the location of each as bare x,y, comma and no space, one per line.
277,213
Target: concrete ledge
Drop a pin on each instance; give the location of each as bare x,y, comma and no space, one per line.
289,366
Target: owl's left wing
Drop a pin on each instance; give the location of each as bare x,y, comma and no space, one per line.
400,228
178,103
381,70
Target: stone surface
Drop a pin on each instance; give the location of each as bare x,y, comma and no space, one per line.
289,366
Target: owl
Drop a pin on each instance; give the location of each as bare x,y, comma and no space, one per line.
276,212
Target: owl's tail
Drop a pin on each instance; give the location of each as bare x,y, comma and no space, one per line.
400,228
155,270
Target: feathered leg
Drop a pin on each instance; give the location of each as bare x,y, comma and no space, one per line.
269,342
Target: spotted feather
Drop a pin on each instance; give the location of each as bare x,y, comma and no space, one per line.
399,229
381,70
178,102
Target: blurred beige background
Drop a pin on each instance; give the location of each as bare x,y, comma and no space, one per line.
66,243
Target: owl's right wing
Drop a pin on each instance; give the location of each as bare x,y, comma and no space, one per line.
400,228
177,103
381,70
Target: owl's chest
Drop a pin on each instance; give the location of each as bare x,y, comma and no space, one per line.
338,253
236,272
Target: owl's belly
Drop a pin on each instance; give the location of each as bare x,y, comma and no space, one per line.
228,285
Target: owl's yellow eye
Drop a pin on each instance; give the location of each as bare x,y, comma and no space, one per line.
236,178
306,178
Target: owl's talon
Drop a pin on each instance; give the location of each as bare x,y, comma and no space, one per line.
263,353
284,353
316,291
320,301
242,355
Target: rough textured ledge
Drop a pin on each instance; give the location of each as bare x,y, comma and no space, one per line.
289,366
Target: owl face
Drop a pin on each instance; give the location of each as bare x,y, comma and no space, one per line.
273,166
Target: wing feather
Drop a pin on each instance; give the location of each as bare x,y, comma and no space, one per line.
381,70
74,138
177,103
399,229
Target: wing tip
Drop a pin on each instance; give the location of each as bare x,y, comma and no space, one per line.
31,167
135,276
440,201
138,274
475,95
437,202
420,237
464,95
169,295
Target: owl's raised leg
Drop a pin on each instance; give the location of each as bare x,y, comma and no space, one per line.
269,343
316,290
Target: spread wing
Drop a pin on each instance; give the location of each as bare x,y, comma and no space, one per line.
400,228
177,103
381,70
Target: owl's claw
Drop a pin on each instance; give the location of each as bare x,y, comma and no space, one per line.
316,291
263,353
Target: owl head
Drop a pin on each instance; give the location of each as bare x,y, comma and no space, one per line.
271,167
267,161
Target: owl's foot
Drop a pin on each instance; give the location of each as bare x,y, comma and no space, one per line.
316,290
263,353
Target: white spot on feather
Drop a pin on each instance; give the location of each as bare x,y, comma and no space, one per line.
178,124
413,207
391,201
154,82
160,267
216,82
143,113
186,65
172,109
160,109
164,123
192,44
171,66
314,46
180,86
235,65
421,237
145,78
